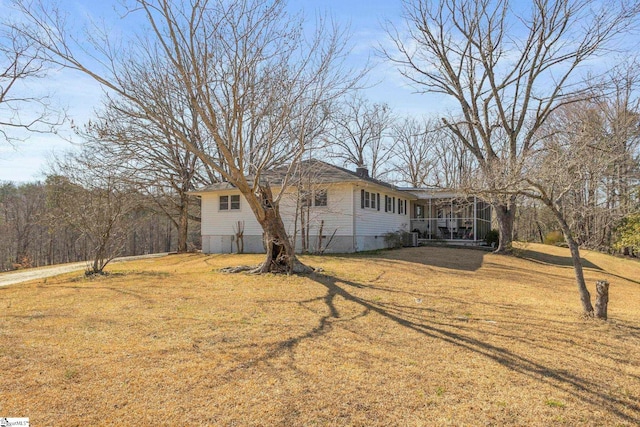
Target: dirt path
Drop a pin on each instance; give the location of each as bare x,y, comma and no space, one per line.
42,272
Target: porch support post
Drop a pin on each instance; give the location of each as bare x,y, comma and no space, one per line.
451,219
475,217
430,216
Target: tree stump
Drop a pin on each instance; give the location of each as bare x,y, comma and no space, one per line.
602,299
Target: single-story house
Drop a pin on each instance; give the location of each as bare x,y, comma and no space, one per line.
336,210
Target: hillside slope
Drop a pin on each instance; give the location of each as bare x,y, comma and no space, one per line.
412,337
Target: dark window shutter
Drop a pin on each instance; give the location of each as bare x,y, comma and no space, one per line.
378,197
385,202
405,207
393,203
362,199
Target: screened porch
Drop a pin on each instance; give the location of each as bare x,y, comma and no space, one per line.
450,218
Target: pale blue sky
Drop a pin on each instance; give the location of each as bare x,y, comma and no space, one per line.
364,18
79,94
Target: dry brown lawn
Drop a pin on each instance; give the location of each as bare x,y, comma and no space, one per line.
412,337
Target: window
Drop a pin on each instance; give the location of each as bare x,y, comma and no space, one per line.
305,198
230,202
313,198
235,202
320,198
402,206
369,200
388,204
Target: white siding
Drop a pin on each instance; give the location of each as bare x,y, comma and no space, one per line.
337,215
342,213
373,224
220,223
217,226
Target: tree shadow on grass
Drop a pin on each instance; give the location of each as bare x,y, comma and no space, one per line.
562,261
548,259
583,388
453,258
623,277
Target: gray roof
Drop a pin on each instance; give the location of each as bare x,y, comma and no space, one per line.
319,171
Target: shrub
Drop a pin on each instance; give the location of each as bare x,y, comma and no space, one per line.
553,238
492,237
397,239
628,235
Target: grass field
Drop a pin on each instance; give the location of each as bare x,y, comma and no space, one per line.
412,337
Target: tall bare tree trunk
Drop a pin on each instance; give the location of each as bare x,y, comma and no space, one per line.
538,225
505,214
281,257
585,296
280,253
183,223
303,229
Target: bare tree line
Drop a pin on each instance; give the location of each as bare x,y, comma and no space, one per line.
57,222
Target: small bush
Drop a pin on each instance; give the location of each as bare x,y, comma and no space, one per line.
627,238
397,239
553,238
492,238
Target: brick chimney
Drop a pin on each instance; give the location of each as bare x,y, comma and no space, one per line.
362,172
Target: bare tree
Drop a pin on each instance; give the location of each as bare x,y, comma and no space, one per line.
307,180
620,112
414,159
360,134
456,166
35,232
425,153
604,193
19,62
557,170
247,70
150,153
572,158
508,67
534,222
21,208
603,196
32,235
86,195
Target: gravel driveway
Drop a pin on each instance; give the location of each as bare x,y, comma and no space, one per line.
54,270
